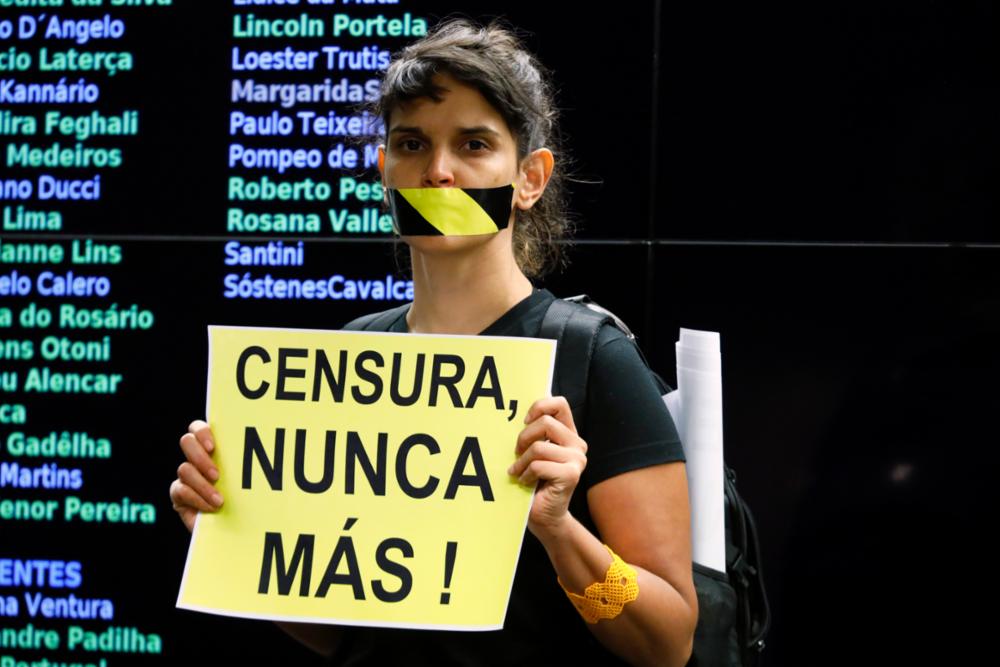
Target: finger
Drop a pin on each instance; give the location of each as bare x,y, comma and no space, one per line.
547,427
557,406
542,450
183,497
188,516
194,451
201,430
550,471
190,475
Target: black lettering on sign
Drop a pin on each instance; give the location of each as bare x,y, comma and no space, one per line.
274,551
341,570
470,452
344,551
371,377
418,380
406,385
329,450
323,370
358,456
402,478
284,372
272,468
439,379
241,370
480,390
394,568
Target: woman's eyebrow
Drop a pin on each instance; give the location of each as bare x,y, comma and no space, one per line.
463,131
479,129
406,129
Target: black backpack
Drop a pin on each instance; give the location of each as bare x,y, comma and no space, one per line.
733,613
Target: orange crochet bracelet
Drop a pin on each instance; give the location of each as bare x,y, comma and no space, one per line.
606,599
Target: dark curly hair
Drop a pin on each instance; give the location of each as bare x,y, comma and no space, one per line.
493,60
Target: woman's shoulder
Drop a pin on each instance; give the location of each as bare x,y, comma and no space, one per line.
606,335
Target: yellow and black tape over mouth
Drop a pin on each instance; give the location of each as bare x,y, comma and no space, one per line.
450,211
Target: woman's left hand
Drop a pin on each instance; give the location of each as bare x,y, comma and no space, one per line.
550,451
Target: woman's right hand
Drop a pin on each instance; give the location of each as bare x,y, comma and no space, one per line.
193,490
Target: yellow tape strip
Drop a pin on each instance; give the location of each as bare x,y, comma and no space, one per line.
450,210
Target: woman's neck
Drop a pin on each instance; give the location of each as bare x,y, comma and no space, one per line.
464,292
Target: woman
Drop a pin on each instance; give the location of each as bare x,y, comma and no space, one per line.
467,107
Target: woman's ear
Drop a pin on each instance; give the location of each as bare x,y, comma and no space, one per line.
535,172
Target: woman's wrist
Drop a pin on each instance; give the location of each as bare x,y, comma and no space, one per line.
552,533
577,555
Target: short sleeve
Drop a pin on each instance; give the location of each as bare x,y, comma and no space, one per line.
626,425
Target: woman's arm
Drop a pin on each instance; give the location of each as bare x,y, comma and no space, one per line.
642,515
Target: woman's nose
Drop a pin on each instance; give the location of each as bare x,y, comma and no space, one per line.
438,171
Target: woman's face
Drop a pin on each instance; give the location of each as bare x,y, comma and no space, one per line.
461,141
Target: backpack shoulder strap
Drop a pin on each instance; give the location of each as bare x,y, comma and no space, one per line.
377,321
575,328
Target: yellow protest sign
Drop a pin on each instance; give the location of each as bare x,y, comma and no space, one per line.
365,477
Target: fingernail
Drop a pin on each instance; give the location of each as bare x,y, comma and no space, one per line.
213,474
209,445
217,500
510,470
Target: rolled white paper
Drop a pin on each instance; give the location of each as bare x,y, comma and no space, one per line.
708,342
696,408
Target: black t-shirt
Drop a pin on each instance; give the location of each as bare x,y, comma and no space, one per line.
626,427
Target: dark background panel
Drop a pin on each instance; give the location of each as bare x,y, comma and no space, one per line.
623,269
827,122
605,85
858,398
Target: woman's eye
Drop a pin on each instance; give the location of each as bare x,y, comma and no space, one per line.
410,144
476,145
